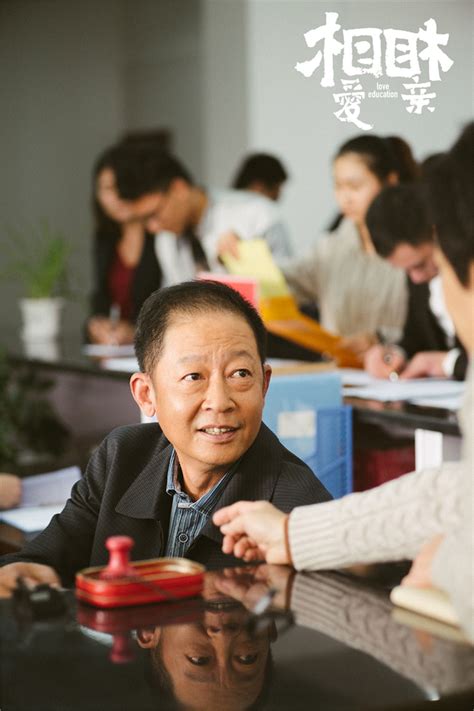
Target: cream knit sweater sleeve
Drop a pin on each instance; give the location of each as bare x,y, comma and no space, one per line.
390,522
393,521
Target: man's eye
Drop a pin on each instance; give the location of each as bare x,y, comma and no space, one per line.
247,659
191,376
241,373
199,661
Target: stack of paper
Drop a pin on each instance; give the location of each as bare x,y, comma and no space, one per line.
42,496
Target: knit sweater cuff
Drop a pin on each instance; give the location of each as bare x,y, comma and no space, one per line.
314,543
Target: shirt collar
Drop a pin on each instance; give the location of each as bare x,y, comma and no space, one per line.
173,484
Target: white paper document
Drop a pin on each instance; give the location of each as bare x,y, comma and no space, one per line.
103,350
41,497
410,390
125,365
31,519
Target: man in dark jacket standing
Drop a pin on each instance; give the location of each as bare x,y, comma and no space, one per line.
201,351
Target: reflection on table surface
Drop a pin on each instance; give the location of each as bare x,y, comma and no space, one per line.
260,637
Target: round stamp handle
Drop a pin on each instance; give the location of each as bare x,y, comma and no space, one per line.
119,566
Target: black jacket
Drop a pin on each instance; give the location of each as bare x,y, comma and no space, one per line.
422,331
124,492
147,277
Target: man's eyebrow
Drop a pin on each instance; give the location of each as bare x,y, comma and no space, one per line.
193,357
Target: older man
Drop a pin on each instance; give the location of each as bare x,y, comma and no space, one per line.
201,350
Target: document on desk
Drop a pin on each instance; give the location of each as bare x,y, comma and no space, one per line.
31,518
124,365
104,350
423,389
42,496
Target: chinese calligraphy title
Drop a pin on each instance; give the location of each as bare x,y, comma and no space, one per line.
361,51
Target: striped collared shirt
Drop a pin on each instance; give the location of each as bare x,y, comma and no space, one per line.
188,517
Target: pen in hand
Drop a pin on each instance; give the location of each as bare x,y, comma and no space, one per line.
392,357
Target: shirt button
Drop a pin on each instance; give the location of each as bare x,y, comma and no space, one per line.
183,537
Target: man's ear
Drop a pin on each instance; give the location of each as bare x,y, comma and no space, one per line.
148,637
267,374
143,393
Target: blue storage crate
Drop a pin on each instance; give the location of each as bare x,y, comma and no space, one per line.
306,414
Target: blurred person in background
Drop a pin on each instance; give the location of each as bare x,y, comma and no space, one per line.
261,173
356,292
402,231
167,200
126,264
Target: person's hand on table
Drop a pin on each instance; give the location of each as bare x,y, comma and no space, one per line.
382,361
10,491
358,344
104,331
228,243
425,364
419,575
32,573
253,530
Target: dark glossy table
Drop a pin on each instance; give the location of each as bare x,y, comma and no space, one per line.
322,641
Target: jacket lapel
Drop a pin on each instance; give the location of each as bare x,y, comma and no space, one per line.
146,498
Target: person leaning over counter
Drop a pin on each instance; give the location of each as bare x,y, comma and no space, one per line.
426,515
401,227
201,350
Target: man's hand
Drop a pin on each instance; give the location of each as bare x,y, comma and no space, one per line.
253,530
381,361
228,243
32,573
425,364
419,575
10,491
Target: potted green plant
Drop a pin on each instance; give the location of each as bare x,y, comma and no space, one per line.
40,263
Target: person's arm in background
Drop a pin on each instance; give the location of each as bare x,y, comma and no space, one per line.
10,491
303,275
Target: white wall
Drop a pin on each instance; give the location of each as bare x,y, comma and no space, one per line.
293,116
62,101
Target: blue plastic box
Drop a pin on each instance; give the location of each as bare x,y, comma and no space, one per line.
307,415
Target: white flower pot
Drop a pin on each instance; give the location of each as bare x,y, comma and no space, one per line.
41,318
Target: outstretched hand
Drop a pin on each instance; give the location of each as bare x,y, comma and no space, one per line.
253,530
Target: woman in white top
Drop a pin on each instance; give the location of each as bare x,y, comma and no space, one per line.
356,291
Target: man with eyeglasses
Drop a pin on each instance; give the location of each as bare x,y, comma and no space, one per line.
402,232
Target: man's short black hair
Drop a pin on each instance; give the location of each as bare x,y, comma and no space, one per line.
141,168
189,297
451,185
399,215
260,167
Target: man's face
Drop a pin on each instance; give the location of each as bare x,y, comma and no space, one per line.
159,211
418,262
208,390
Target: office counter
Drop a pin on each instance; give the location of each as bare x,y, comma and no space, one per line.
92,400
326,641
81,377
